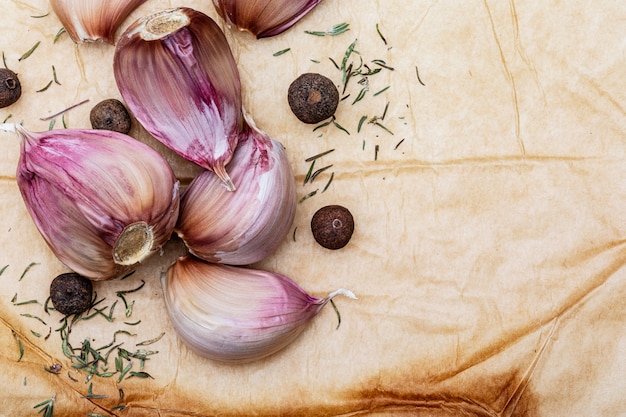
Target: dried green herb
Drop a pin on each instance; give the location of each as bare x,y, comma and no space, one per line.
151,341
384,41
140,375
382,64
282,51
20,346
319,171
319,155
363,119
418,76
335,30
30,316
5,120
307,196
58,35
295,229
27,269
381,91
41,16
4,60
46,407
376,149
322,125
45,88
398,144
51,124
332,175
30,51
91,395
54,76
22,303
361,94
338,126
308,174
133,323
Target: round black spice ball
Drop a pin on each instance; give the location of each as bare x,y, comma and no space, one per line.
10,87
110,114
313,98
332,226
71,293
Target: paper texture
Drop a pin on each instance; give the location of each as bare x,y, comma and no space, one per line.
489,209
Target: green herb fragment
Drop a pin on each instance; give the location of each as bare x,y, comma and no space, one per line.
4,268
63,121
51,124
322,125
46,407
332,303
334,63
4,60
46,308
95,415
376,148
58,35
119,366
45,88
35,333
337,29
385,111
315,61
54,76
91,395
30,316
41,16
151,341
5,120
295,229
377,123
319,155
319,171
332,175
398,144
382,64
118,407
418,76
20,346
133,323
363,146
283,51
27,269
338,126
140,375
308,174
380,34
381,91
30,51
361,94
361,121
307,196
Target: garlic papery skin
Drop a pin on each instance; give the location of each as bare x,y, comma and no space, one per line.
103,201
92,20
234,314
248,225
177,75
264,18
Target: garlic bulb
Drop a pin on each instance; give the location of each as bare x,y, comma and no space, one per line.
246,226
103,201
92,20
264,18
177,75
234,314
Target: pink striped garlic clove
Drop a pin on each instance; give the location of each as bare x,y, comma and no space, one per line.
177,75
248,225
92,20
263,18
236,315
103,201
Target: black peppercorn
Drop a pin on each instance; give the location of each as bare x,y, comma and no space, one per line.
332,226
10,87
313,98
71,293
110,114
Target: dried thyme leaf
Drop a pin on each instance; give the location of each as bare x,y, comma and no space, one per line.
47,407
27,269
338,126
380,34
363,119
45,88
54,75
30,316
91,395
140,375
295,229
151,341
381,91
319,155
58,35
332,175
41,16
319,171
29,52
308,174
376,148
398,144
418,76
282,51
307,196
20,346
335,30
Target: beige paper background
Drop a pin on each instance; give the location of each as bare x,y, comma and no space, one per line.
489,245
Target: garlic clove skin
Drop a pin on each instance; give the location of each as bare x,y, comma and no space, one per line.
236,315
248,225
93,20
177,75
264,18
103,201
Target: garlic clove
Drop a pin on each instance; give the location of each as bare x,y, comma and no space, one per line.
92,20
244,227
103,201
264,18
236,315
177,75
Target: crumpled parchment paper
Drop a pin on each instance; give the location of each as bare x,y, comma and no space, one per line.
487,186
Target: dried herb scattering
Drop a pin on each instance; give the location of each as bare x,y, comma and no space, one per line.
71,293
110,114
313,97
10,87
332,226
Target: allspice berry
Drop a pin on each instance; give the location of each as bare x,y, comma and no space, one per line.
332,226
313,97
71,293
110,114
10,87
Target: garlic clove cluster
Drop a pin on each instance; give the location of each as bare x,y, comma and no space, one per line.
92,20
103,201
236,315
264,18
176,73
246,226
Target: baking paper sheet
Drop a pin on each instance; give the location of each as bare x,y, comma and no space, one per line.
489,208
